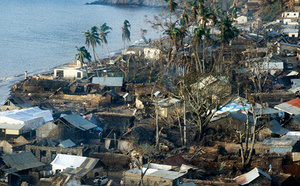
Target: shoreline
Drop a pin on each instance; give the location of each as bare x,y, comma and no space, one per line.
125,4
6,83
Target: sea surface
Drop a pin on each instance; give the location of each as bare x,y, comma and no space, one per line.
37,35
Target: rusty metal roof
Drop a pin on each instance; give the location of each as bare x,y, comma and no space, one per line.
250,176
292,107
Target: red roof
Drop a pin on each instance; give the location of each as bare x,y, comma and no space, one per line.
294,102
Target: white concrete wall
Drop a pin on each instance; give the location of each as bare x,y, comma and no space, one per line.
242,19
290,15
70,73
152,53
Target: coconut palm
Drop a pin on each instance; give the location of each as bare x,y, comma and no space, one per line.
125,33
228,33
92,39
103,32
174,33
172,6
198,36
81,55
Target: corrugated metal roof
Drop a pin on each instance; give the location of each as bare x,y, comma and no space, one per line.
67,143
281,150
80,172
292,107
79,122
276,128
108,81
250,176
11,126
285,141
168,102
89,163
290,30
241,117
21,161
171,175
297,118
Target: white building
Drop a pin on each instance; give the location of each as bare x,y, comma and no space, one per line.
152,53
72,70
291,32
290,18
16,122
241,19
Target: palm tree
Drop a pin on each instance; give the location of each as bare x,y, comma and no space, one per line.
81,55
125,33
228,33
172,5
92,39
198,34
174,33
103,32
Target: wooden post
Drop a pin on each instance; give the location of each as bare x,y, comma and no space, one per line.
156,121
115,139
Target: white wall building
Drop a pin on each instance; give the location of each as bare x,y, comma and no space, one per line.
291,32
241,19
152,53
69,72
72,70
290,18
16,122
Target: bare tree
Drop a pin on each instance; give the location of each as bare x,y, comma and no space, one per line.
141,152
247,148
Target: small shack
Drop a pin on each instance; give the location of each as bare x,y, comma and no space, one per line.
73,127
18,166
83,167
15,102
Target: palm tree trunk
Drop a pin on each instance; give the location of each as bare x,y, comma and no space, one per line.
198,59
107,50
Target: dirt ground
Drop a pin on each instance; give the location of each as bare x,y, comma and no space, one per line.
116,176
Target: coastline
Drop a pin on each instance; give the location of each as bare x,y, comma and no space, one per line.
154,4
6,83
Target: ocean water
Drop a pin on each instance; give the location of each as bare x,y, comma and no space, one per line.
37,35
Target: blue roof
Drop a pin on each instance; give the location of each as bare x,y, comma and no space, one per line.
241,117
67,143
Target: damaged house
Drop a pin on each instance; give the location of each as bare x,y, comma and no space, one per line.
82,167
166,106
73,127
217,87
16,122
20,167
13,146
287,143
125,142
156,174
47,149
15,102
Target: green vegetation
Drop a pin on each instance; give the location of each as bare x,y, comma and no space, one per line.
273,6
